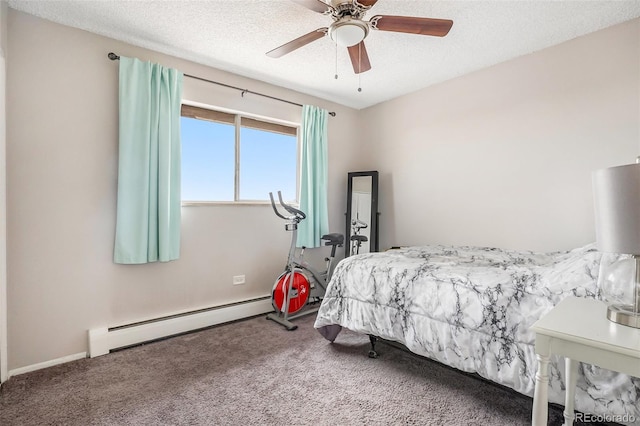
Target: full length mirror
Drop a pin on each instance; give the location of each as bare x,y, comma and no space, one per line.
362,213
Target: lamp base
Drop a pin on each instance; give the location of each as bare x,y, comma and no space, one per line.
623,314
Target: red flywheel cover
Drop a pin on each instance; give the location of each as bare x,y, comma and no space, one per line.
300,289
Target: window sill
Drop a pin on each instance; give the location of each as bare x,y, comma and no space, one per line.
231,203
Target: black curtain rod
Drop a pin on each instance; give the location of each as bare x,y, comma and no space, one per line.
115,57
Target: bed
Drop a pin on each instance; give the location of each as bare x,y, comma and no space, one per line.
471,308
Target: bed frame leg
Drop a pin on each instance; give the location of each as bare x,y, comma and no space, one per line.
372,352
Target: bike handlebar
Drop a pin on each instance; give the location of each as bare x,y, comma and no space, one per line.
273,204
297,214
358,224
292,210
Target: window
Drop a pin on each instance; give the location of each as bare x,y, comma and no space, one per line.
229,157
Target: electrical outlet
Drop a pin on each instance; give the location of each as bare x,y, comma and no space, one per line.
238,279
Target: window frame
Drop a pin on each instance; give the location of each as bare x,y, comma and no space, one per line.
237,122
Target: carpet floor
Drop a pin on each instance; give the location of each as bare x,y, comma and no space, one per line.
253,372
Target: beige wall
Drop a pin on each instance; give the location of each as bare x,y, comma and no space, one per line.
62,169
3,196
502,157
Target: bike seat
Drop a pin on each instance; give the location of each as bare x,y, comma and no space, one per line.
361,238
333,239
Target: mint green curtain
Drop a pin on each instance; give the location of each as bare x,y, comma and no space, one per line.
313,180
148,210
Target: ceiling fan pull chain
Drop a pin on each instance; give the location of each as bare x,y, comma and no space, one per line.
359,66
336,75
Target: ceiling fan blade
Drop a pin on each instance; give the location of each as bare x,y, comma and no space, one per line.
367,3
315,5
359,58
412,25
297,43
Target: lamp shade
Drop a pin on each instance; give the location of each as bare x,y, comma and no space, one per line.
617,209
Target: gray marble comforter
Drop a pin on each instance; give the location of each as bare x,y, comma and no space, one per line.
472,308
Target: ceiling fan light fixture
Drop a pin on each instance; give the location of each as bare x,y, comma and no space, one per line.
348,32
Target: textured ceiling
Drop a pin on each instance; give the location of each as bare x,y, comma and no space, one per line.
234,35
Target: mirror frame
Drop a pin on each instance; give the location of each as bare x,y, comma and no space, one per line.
373,235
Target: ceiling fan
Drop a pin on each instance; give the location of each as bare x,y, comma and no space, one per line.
349,30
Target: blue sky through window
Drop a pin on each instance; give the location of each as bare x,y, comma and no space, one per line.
208,160
268,162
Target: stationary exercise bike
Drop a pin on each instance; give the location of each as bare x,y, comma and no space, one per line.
300,285
356,239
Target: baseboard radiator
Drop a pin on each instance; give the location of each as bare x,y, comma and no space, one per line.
104,340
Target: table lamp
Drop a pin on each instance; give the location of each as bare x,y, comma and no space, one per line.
617,218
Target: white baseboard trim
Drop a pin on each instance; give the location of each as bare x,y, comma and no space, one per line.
51,363
102,340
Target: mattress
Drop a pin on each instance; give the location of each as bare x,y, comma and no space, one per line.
472,308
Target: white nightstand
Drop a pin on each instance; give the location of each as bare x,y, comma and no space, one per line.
579,330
